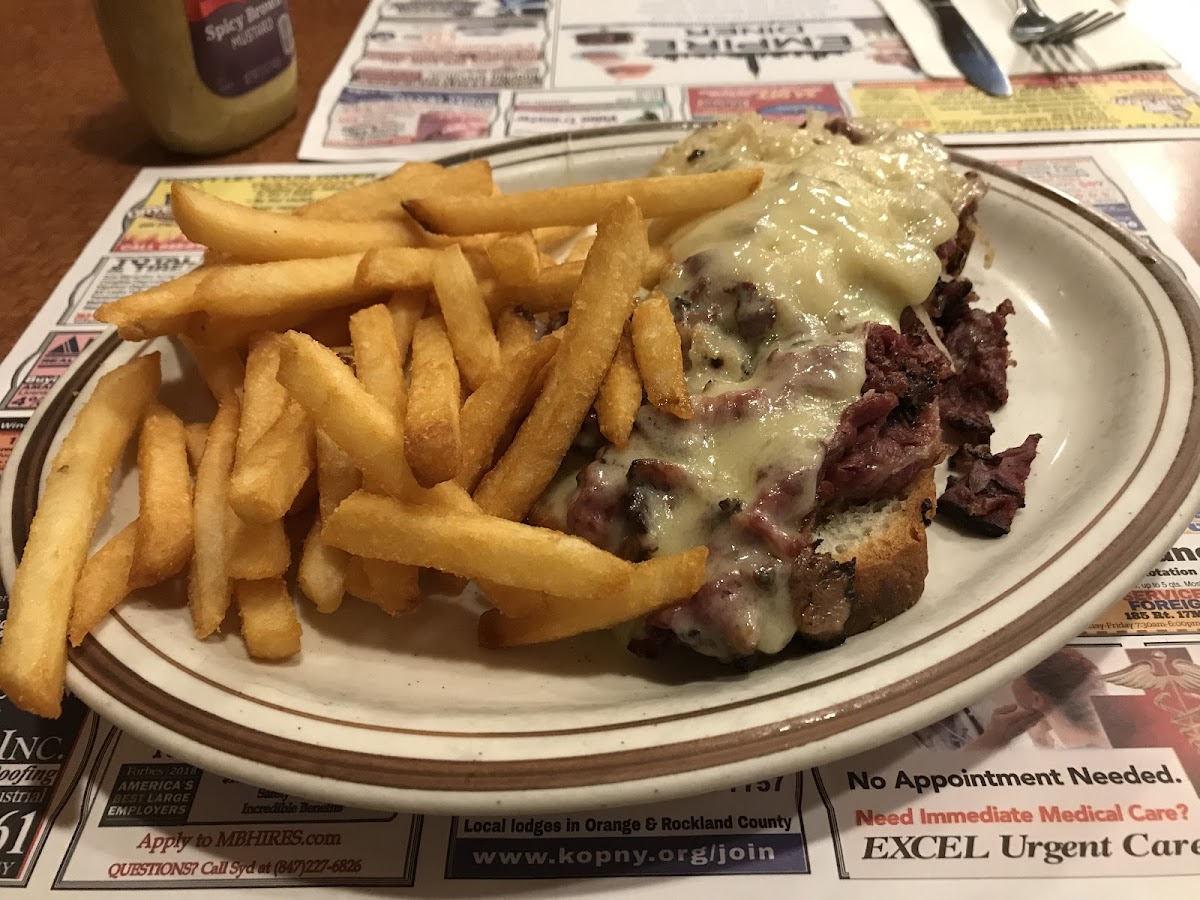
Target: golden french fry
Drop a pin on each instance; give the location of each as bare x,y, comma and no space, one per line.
515,258
432,437
164,532
256,549
504,552
258,235
163,309
377,360
266,480
395,269
407,309
300,287
33,654
601,307
652,585
377,364
516,602
196,435
268,615
620,395
514,332
583,204
103,583
499,404
384,198
222,370
341,407
209,585
322,572
392,586
263,397
468,322
659,356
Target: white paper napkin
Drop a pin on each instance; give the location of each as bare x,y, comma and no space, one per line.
1120,45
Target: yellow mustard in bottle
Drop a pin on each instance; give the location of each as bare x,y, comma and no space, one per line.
208,75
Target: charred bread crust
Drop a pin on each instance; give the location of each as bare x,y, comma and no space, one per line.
891,559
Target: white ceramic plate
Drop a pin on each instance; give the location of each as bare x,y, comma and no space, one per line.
410,714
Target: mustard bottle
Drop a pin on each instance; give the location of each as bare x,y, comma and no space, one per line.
207,75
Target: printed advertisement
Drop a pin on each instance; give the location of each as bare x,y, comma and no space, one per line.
1088,764
753,829
419,80
1041,106
1083,772
149,819
545,112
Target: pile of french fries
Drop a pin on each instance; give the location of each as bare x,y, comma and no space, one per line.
394,390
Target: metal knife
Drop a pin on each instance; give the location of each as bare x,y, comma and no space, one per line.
967,51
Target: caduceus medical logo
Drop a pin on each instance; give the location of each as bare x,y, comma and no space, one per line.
1173,685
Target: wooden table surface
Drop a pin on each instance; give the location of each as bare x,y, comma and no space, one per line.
70,143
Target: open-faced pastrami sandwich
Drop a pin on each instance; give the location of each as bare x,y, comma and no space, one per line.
834,357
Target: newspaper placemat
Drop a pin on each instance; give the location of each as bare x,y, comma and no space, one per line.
1083,774
424,78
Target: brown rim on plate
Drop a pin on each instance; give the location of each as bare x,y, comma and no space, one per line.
108,674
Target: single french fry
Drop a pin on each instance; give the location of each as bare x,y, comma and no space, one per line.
377,361
256,549
300,287
504,552
103,583
209,585
407,309
620,395
514,332
341,407
515,258
384,198
196,434
599,311
432,437
659,356
468,322
583,204
322,572
265,481
258,235
395,269
268,616
652,585
164,532
501,402
222,370
516,602
263,397
377,364
163,309
33,654
392,586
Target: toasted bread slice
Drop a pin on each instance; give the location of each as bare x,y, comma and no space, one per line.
887,541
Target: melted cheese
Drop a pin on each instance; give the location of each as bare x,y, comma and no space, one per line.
846,232
838,236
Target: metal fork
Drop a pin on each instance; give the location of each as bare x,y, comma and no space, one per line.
1032,26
